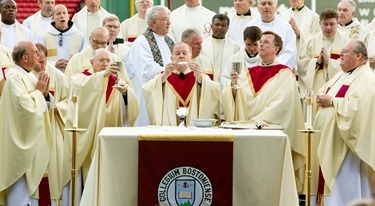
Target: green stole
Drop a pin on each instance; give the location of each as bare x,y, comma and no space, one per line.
154,46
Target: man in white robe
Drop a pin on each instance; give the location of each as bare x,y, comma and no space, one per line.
268,21
26,139
349,26
13,31
345,154
247,57
268,94
134,26
370,42
181,85
193,38
318,61
115,45
81,61
40,21
217,47
62,38
304,22
370,26
239,19
191,15
89,17
149,54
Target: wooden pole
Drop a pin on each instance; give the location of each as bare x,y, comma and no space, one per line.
169,5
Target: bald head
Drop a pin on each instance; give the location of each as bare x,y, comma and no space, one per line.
61,17
101,60
99,38
26,55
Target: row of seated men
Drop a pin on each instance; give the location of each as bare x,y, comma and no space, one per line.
269,96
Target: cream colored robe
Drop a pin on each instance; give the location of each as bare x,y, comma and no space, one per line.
307,22
184,17
82,18
237,25
131,28
229,48
6,61
94,113
348,125
59,86
161,102
26,139
309,77
12,34
205,64
37,23
369,41
277,102
355,30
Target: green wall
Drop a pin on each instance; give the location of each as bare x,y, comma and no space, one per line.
365,8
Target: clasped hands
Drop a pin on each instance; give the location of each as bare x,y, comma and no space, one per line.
323,57
43,83
324,100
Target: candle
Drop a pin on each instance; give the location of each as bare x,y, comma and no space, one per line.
75,111
309,111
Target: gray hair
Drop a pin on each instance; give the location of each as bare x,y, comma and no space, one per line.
188,34
352,4
360,47
18,53
153,12
99,51
151,1
252,2
273,0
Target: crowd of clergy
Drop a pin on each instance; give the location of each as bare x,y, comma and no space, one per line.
94,71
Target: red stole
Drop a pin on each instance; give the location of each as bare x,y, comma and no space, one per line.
260,75
3,71
182,88
131,39
111,82
340,94
333,56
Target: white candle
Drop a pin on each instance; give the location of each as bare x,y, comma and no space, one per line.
309,110
75,111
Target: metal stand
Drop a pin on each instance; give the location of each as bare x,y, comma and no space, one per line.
74,162
308,133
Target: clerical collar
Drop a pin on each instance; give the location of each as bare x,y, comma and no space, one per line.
24,69
351,21
245,14
298,9
117,41
251,56
266,64
351,71
70,24
218,38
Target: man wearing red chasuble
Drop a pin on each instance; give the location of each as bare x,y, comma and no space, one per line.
345,154
268,94
101,104
182,84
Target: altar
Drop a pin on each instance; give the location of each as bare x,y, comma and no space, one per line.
262,166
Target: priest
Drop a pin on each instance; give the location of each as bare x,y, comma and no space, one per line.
182,84
268,94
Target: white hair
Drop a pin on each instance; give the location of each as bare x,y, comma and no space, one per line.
151,1
153,12
352,4
273,0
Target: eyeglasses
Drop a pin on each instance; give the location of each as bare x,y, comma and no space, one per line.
60,39
98,42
